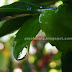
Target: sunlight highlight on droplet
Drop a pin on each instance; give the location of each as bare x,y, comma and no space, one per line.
23,54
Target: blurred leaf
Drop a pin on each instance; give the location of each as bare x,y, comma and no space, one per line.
12,24
26,66
29,30
3,61
18,8
21,5
57,56
40,1
14,12
1,23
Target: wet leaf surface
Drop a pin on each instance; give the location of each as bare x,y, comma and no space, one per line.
26,34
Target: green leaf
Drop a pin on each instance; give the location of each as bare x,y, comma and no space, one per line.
12,24
29,30
40,1
58,24
1,23
22,5
47,21
18,8
13,12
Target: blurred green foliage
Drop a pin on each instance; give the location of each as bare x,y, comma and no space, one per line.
29,17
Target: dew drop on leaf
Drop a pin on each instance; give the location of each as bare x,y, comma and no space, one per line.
23,53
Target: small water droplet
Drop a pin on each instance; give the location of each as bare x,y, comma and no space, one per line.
23,53
40,6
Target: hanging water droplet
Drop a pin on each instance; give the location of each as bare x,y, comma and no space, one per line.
23,54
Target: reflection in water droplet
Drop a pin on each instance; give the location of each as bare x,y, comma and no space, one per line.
23,54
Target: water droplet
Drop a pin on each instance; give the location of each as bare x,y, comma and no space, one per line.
40,18
40,6
23,54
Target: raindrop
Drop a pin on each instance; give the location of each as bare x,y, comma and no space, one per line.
23,53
